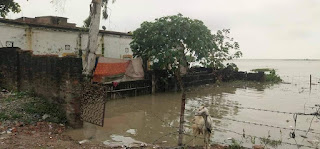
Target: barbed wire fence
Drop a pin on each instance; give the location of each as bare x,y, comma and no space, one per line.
244,135
292,134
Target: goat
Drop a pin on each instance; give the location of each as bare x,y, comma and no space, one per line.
203,124
197,126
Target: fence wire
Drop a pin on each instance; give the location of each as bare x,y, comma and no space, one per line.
244,135
271,126
176,132
266,110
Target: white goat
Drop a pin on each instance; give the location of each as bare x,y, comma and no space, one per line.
197,127
203,124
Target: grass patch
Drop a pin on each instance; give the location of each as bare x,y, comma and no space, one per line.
16,96
16,116
270,142
27,108
235,145
41,107
19,95
4,116
9,99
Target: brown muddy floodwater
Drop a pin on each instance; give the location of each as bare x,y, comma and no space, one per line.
155,118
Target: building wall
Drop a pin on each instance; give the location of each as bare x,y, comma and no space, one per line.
49,41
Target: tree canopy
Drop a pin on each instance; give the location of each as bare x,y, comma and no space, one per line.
7,6
172,41
177,40
226,49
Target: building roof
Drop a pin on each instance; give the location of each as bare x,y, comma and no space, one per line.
53,26
51,17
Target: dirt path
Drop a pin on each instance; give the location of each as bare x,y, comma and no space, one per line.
40,135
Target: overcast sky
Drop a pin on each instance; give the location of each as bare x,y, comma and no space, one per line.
265,29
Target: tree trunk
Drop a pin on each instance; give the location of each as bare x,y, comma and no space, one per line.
153,78
183,104
182,62
89,59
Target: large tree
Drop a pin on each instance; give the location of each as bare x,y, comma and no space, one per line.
7,6
171,42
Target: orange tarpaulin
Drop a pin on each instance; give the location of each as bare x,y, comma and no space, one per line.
109,69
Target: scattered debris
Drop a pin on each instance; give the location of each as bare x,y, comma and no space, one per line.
132,131
83,141
45,116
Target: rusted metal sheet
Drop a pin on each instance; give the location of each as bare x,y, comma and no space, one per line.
93,102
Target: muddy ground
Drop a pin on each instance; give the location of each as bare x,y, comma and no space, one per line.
40,135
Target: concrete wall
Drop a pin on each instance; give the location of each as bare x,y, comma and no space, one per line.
61,41
55,78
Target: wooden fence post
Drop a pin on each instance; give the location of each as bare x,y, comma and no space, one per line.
310,80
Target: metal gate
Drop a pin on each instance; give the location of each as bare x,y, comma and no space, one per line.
93,102
94,97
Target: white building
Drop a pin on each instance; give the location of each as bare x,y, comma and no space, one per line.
55,36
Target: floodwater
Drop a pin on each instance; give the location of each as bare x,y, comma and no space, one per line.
155,118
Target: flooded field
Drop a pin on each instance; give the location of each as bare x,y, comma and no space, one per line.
155,118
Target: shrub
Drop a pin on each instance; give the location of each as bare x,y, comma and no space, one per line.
273,77
270,76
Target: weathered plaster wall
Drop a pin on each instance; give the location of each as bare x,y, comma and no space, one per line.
49,42
116,42
61,42
11,33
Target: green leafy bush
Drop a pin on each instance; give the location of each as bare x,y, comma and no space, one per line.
270,76
273,77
